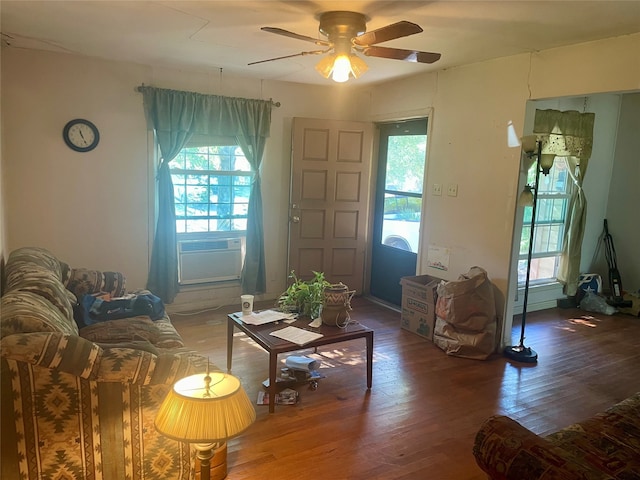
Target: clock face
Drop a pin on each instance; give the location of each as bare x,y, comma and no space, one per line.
81,135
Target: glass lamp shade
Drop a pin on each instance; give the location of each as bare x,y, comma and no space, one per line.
340,67
546,162
205,408
358,66
526,197
325,66
529,144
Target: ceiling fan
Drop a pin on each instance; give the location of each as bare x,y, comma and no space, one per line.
347,34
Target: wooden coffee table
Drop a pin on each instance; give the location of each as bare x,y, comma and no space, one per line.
274,345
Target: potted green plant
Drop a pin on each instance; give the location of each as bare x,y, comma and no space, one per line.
304,297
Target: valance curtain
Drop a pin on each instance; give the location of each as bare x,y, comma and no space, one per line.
176,116
569,134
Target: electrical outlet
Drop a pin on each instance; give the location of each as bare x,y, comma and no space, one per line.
437,189
452,190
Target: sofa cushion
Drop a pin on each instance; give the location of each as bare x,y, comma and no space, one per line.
82,281
160,333
41,281
25,312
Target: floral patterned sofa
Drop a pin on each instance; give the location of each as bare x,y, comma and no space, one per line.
605,446
79,403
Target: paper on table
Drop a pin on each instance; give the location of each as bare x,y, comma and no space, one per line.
266,316
296,335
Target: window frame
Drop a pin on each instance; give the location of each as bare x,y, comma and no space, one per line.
542,197
181,231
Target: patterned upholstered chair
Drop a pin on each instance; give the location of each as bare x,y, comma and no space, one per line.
80,403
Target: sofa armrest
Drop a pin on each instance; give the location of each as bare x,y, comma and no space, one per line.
506,450
119,363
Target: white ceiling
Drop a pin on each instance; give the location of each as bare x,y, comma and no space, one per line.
214,35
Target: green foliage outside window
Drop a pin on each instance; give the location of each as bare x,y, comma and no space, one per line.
212,185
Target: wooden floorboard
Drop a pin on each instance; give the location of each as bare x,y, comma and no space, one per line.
420,418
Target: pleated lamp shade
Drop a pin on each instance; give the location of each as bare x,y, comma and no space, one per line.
205,408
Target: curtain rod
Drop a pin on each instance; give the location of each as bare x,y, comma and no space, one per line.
275,104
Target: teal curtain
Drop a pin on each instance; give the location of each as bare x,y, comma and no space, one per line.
253,118
176,116
171,114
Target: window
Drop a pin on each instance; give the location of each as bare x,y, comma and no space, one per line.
211,189
554,191
403,191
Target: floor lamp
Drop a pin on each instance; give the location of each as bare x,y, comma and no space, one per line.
206,410
543,163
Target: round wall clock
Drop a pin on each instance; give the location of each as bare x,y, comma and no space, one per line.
81,135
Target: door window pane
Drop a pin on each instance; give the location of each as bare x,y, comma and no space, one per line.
403,191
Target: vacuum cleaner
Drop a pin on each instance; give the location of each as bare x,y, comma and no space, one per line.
615,280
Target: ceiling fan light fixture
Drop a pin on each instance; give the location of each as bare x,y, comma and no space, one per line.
341,67
358,66
325,66
345,30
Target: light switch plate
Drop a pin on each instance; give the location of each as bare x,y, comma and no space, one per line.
452,190
437,189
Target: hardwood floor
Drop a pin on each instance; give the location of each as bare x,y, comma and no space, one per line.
420,418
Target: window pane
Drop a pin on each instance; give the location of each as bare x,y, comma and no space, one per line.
558,179
178,161
401,222
241,193
208,195
179,193
196,161
550,210
240,209
543,268
221,210
197,226
405,163
180,209
239,224
241,164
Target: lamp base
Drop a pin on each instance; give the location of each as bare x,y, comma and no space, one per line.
212,461
521,354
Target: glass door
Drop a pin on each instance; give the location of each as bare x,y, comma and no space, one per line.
396,225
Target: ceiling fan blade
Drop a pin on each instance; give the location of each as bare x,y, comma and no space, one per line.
287,33
384,34
400,54
301,54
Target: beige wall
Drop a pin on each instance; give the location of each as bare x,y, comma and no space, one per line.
471,107
92,209
624,198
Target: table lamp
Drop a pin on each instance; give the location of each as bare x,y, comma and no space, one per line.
206,410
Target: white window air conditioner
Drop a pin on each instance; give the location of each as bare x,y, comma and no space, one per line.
204,261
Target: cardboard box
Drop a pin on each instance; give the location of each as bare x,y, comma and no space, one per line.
419,304
420,287
419,323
